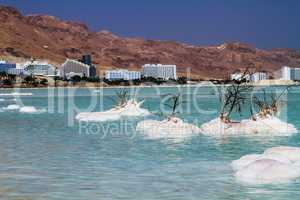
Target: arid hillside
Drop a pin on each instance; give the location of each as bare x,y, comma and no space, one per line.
47,37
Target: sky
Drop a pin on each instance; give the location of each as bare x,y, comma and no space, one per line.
263,23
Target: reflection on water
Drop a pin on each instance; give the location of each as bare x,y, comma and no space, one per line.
41,157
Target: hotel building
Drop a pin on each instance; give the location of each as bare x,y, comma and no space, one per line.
238,76
37,68
6,67
122,75
289,73
258,76
159,71
74,67
87,59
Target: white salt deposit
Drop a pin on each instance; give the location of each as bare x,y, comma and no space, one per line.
24,109
269,126
98,116
15,94
132,108
275,165
12,107
31,109
244,161
292,153
169,128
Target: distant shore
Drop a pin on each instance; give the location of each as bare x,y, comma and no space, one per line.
200,83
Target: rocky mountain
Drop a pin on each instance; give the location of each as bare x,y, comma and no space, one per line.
47,37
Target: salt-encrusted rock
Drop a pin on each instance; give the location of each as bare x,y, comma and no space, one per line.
244,161
269,126
98,116
12,107
247,159
24,109
169,128
265,171
292,153
277,164
131,108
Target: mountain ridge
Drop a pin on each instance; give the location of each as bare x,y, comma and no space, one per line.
48,37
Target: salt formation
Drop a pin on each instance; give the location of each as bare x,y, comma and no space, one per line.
12,107
264,108
130,108
264,126
31,109
171,127
275,165
264,122
24,109
16,94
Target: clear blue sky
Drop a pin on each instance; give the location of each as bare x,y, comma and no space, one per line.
264,23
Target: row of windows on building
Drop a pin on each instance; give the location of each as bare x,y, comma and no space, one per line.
290,73
28,68
255,77
69,68
122,75
285,73
148,70
85,68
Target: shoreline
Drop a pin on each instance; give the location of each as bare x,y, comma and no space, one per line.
202,83
136,86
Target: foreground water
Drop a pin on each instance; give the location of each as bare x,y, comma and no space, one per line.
48,155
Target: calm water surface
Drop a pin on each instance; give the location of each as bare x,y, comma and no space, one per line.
42,156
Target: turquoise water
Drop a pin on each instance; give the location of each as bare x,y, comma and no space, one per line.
48,156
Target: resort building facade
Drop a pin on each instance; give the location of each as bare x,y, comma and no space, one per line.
74,67
259,76
87,59
6,67
237,76
255,77
122,75
28,68
159,71
290,73
37,68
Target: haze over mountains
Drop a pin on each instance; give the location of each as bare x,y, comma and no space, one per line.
47,37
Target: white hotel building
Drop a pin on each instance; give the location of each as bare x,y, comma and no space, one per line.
122,75
37,68
73,67
255,77
259,76
289,73
238,76
159,71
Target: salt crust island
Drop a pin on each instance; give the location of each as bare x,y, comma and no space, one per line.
276,165
130,108
24,109
172,127
260,126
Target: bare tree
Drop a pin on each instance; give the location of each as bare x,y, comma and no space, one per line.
234,97
122,98
268,105
173,102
